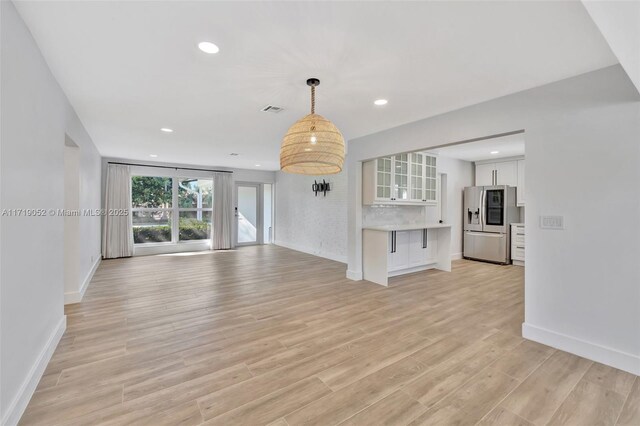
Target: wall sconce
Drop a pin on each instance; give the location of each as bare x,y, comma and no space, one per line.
323,187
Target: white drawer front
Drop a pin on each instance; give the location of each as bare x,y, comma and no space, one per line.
518,239
517,253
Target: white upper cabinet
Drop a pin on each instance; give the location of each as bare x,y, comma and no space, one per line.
507,173
400,179
520,189
484,174
498,173
383,178
417,177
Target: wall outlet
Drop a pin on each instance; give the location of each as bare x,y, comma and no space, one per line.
552,222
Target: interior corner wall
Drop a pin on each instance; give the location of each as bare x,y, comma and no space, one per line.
35,117
459,175
312,224
581,283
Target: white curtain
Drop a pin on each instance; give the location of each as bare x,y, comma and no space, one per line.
222,211
117,235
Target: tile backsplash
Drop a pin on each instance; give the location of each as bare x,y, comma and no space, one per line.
393,215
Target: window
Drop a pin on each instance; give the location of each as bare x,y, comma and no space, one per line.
166,209
195,201
151,200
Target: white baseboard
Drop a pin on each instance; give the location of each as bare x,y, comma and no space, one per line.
456,256
76,296
354,275
19,404
605,355
185,246
296,247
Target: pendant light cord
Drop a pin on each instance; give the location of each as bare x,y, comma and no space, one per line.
313,99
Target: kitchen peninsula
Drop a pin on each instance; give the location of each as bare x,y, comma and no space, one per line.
391,250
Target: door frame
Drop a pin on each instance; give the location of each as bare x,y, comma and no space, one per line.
259,213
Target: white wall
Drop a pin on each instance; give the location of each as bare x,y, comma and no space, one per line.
459,174
582,133
619,23
315,225
35,117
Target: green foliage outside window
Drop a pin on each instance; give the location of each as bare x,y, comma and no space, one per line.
151,192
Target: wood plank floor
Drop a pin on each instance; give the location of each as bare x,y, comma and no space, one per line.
266,335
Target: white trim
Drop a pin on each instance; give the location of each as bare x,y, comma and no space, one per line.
76,296
456,256
149,249
605,355
398,272
354,275
19,404
500,160
326,255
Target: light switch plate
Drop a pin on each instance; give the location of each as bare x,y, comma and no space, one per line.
552,222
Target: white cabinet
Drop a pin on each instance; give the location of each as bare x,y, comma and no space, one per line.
400,190
410,249
520,189
400,179
388,253
499,173
417,254
382,178
423,247
484,174
517,244
398,250
507,173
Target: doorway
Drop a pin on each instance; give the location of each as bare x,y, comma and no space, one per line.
248,212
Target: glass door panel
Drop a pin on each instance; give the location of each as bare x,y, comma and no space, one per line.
495,207
248,225
401,177
383,178
417,177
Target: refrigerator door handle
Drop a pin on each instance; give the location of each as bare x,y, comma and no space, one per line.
482,208
486,234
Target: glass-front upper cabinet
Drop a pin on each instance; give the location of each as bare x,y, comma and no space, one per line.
417,176
409,178
401,177
383,178
430,176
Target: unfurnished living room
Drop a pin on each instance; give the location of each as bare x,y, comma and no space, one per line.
319,212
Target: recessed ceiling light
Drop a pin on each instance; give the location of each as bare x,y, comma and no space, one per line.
166,130
257,165
495,152
153,155
380,102
208,47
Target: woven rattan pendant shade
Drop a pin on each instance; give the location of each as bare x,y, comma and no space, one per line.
313,145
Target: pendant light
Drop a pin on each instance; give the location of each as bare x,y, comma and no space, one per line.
313,145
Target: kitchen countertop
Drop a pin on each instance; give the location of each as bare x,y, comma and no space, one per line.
389,228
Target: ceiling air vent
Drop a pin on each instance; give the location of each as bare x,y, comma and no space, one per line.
271,108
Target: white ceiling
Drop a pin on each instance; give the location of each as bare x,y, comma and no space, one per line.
130,68
507,146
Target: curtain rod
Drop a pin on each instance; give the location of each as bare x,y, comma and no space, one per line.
168,167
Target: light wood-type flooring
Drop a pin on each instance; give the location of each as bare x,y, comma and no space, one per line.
266,335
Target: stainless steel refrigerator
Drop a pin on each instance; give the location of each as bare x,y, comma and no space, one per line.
488,214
